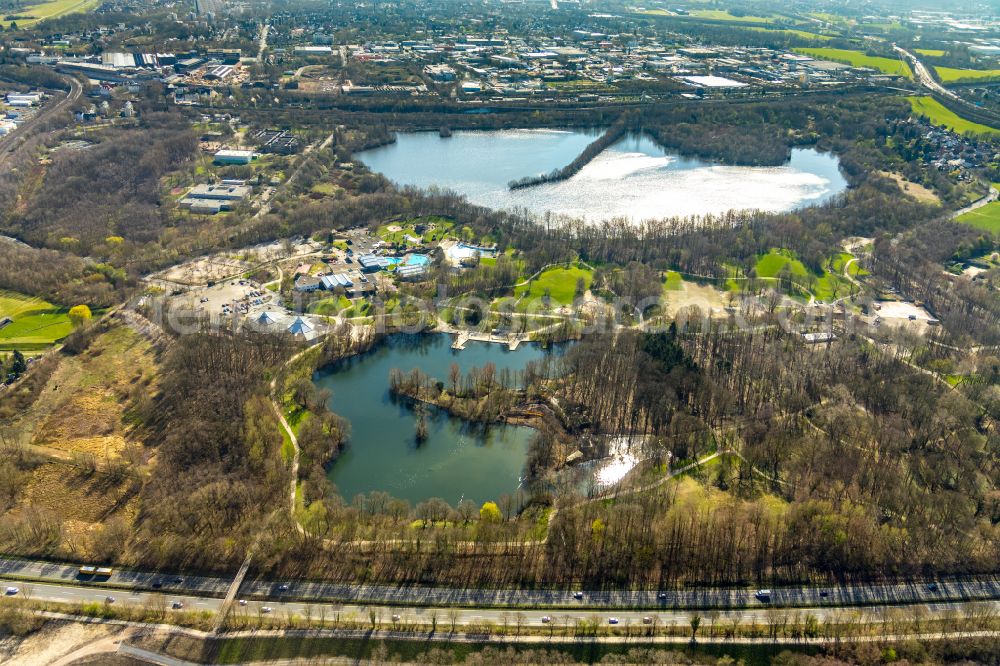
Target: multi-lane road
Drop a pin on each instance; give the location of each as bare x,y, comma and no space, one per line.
210,590
413,616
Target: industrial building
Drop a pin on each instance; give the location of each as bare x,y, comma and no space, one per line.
211,199
229,156
280,142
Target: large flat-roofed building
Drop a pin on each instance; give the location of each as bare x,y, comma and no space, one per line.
229,156
211,199
371,263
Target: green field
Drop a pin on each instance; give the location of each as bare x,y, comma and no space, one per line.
673,281
794,33
952,75
824,287
37,324
933,53
859,59
722,15
986,218
560,283
938,114
47,10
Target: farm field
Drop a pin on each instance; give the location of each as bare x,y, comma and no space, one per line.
860,59
938,114
37,324
952,75
560,283
47,10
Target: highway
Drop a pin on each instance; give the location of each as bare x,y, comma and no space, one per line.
687,599
408,616
924,76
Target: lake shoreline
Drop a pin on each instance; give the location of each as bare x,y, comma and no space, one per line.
634,178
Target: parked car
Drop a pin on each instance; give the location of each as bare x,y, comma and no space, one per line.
763,595
578,595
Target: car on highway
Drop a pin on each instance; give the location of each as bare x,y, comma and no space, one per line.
396,618
243,602
177,605
283,587
647,620
109,600
578,595
763,596
661,596
546,619
265,609
613,620
12,591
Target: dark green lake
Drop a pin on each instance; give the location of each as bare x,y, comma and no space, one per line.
458,460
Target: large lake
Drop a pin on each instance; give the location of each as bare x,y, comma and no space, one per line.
635,178
457,461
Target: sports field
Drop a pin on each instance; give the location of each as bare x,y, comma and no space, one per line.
938,114
36,323
860,59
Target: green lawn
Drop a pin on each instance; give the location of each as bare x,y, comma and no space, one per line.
952,75
860,59
827,286
46,10
329,306
673,281
933,53
560,283
938,114
772,263
442,227
37,324
986,218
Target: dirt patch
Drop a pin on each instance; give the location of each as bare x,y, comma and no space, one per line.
79,497
708,299
82,405
915,190
54,641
